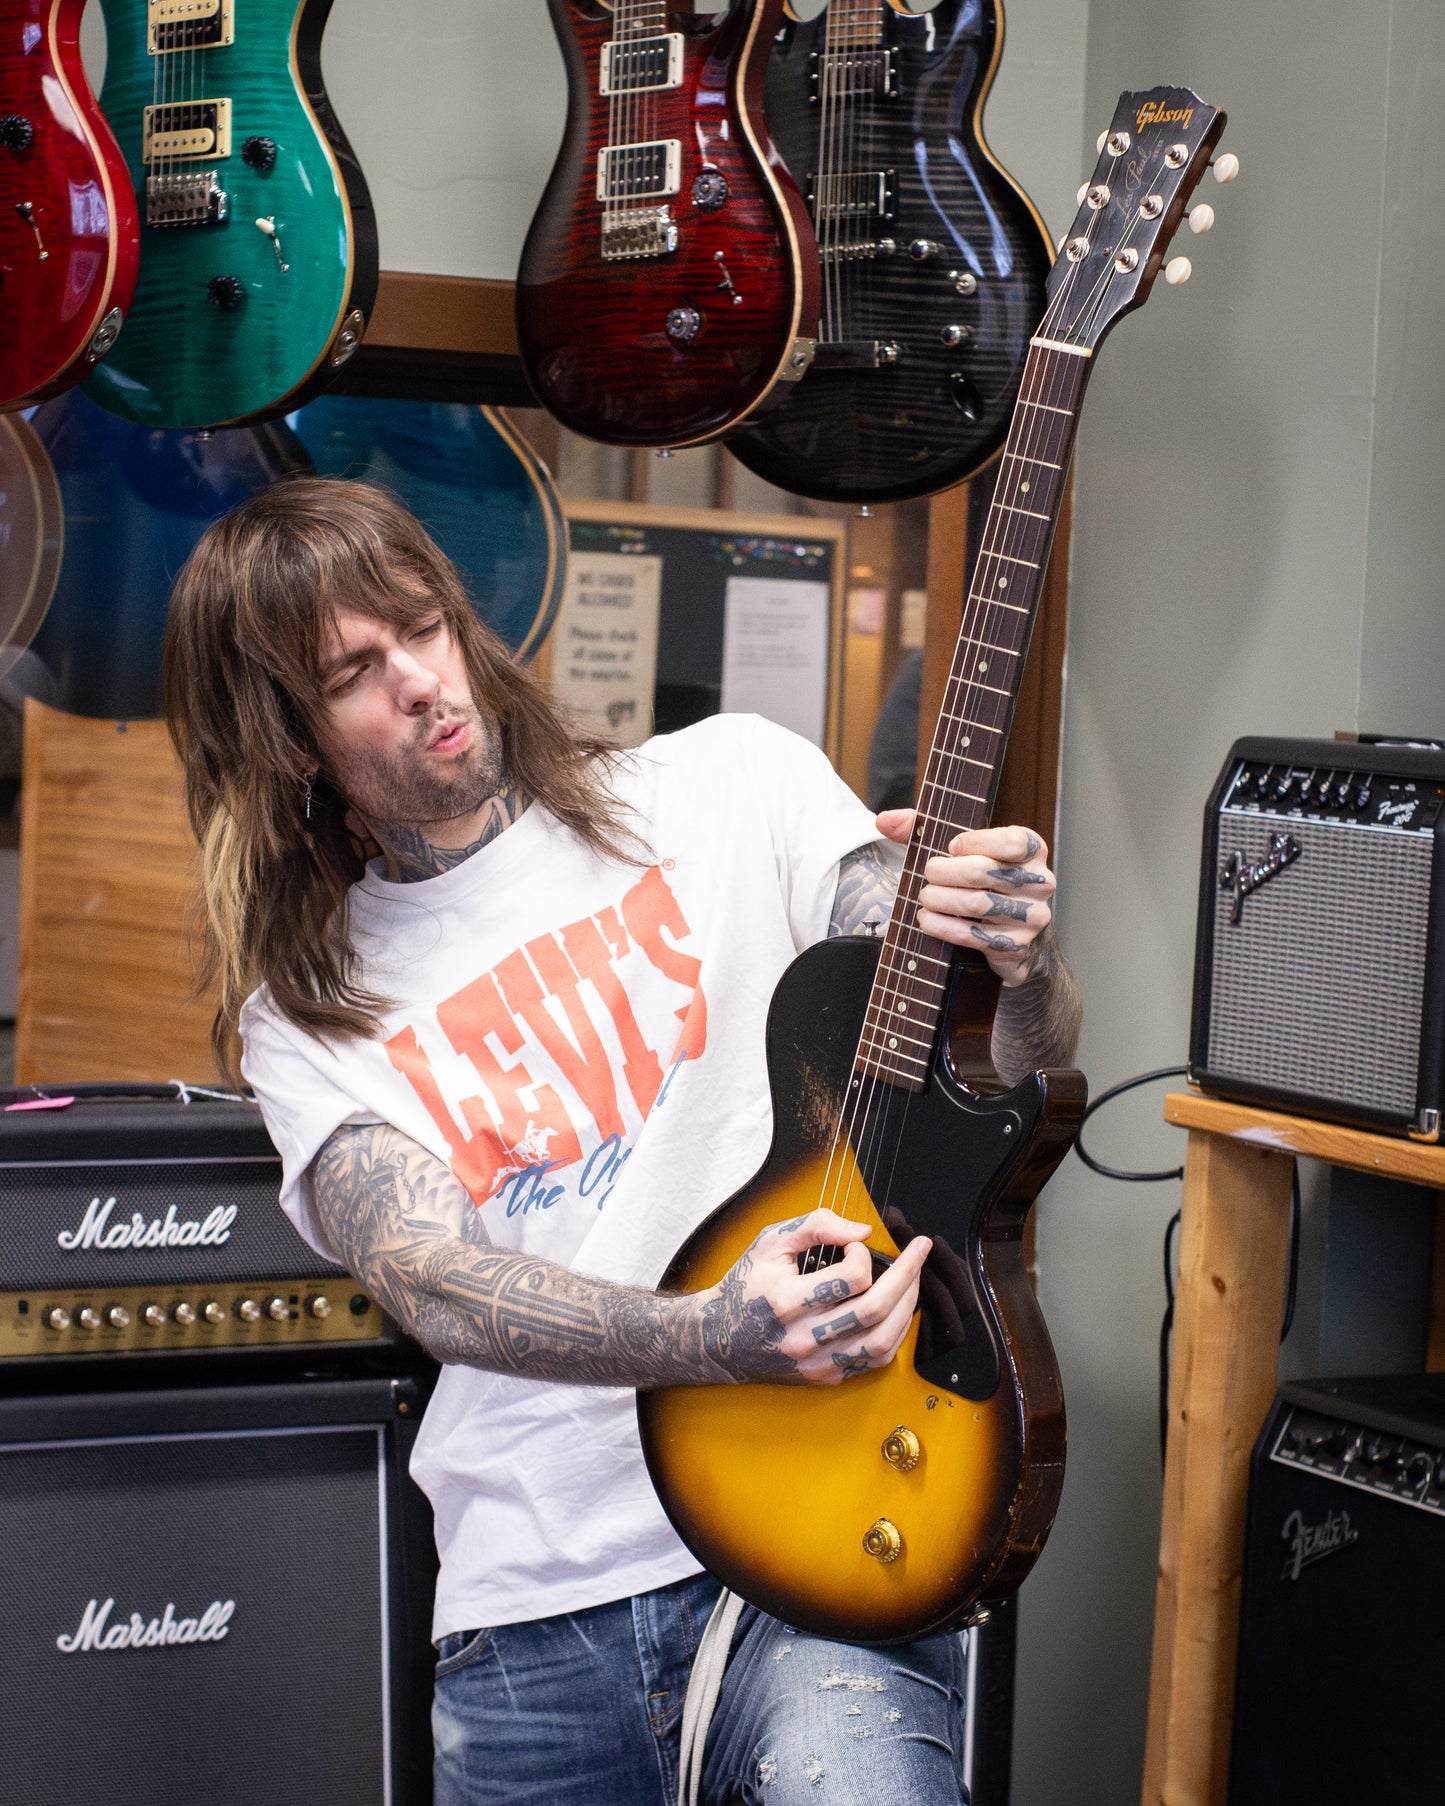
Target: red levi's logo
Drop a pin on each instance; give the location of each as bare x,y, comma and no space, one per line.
517,1122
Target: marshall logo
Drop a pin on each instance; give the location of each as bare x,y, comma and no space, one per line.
1239,878
96,1632
1154,112
1312,1542
170,1231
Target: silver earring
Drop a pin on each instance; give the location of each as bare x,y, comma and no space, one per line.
310,780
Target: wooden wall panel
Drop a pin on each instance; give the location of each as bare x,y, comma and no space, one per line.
107,883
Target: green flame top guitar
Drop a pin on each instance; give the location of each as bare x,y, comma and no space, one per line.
258,243
888,1507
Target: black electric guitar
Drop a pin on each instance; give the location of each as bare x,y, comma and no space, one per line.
888,1507
933,258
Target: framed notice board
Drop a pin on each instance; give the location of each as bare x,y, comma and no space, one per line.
672,614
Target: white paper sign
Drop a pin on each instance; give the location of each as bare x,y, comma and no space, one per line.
775,652
604,663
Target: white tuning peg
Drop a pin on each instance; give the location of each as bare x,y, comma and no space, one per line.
1084,188
1102,141
1201,218
1225,168
1177,270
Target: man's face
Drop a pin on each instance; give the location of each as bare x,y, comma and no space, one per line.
403,740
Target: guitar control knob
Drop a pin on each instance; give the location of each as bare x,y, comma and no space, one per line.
683,325
259,153
902,1450
57,1317
184,1314
277,1310
118,1317
882,1541
924,249
213,1312
16,132
226,292
153,1316
966,397
319,1307
956,335
88,1318
964,282
248,1310
709,190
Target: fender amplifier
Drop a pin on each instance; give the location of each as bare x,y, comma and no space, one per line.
145,1221
1319,973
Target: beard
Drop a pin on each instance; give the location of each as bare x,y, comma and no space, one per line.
405,789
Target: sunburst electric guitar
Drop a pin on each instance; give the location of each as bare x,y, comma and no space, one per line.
890,1506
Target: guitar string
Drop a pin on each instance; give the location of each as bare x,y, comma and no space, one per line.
820,179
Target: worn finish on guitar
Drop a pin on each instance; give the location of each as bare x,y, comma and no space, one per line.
68,237
234,319
625,340
756,1476
924,238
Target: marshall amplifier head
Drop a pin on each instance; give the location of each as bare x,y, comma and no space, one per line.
1319,981
147,1222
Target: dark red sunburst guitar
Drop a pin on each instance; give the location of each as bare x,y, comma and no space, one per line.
69,237
888,1507
668,287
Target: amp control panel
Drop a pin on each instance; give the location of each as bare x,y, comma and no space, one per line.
181,1319
1370,1460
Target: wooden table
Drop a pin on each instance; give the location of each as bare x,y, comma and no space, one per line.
1233,1257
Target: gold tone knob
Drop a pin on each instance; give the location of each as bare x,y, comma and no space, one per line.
152,1315
213,1312
184,1314
248,1311
118,1317
276,1310
88,1318
319,1307
902,1449
882,1541
57,1317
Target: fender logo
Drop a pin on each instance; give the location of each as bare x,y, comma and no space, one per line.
1239,878
1154,112
1312,1542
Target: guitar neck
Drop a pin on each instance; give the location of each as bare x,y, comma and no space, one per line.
961,776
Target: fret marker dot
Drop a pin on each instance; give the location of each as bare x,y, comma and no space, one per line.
1023,488
913,965
966,740
902,1009
983,664
1003,582
893,1040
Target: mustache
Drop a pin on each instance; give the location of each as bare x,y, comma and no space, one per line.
443,710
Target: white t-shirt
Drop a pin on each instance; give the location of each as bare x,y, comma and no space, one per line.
582,1041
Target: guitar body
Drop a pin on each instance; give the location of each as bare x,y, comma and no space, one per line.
628,341
64,191
220,332
775,1487
856,429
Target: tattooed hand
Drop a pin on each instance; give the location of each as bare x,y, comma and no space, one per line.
992,890
767,1321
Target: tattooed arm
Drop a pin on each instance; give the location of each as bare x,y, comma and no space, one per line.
993,890
411,1234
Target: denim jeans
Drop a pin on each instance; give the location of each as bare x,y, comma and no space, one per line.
584,1709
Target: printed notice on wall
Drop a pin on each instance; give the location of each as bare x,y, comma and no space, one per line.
775,652
604,662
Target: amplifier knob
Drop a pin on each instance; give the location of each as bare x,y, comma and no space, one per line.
185,1315
248,1310
213,1312
277,1310
57,1317
319,1307
152,1315
118,1317
88,1318
1362,797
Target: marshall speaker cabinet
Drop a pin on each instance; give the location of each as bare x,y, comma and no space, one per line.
1319,980
1341,1670
145,1223
216,1594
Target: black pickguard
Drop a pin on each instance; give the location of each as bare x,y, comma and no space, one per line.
939,412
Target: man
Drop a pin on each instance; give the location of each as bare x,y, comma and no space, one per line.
510,1063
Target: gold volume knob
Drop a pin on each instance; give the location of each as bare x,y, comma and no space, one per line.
902,1449
882,1541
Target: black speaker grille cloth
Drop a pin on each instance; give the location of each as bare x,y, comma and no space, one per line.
288,1705
1317,989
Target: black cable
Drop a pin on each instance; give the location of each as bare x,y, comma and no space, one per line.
1166,1329
1104,1097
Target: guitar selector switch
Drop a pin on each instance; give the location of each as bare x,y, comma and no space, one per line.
16,132
259,153
683,325
902,1449
882,1541
226,292
709,190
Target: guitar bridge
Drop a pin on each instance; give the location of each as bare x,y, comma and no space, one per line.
856,354
193,199
640,232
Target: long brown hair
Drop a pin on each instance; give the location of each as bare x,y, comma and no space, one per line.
243,698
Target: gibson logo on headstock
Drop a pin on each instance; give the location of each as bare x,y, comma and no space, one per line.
1154,112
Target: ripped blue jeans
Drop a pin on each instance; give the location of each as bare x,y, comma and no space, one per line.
584,1709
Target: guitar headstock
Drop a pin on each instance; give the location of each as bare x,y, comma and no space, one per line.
1151,159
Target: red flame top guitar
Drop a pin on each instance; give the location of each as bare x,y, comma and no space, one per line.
668,287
